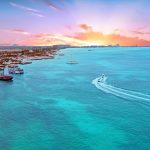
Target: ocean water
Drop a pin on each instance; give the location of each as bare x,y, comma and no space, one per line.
55,106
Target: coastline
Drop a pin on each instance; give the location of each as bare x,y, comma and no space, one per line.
16,55
12,56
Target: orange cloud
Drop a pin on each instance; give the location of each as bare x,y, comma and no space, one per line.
86,37
51,39
126,41
98,37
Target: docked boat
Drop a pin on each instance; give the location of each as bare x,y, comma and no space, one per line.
5,76
48,57
12,66
16,70
16,62
26,62
19,71
51,56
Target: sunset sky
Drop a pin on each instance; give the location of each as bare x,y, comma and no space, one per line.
75,22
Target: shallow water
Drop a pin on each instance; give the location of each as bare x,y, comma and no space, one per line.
54,106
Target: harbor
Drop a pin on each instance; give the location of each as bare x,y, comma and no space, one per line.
11,58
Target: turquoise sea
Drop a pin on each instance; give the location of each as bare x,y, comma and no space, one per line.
55,106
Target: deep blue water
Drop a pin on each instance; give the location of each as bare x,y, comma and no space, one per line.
54,106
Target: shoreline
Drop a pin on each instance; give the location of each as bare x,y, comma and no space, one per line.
16,55
24,56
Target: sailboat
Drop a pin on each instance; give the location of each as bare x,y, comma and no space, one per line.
71,61
6,76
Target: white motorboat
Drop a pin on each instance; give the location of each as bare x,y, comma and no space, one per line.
16,70
102,78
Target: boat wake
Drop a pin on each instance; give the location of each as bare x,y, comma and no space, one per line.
130,95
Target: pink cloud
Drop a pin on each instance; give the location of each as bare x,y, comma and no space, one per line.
16,31
51,5
85,27
52,39
140,32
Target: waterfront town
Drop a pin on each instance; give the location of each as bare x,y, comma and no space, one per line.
12,56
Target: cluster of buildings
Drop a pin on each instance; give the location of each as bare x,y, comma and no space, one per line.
11,56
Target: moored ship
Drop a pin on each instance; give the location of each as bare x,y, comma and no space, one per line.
5,76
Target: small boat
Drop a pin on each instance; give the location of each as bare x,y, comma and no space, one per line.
16,70
61,54
15,62
48,57
102,78
12,66
26,62
51,56
6,76
72,62
2,66
36,58
19,71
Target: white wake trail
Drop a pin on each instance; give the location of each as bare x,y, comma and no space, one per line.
132,95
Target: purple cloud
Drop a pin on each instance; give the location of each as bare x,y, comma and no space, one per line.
28,9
